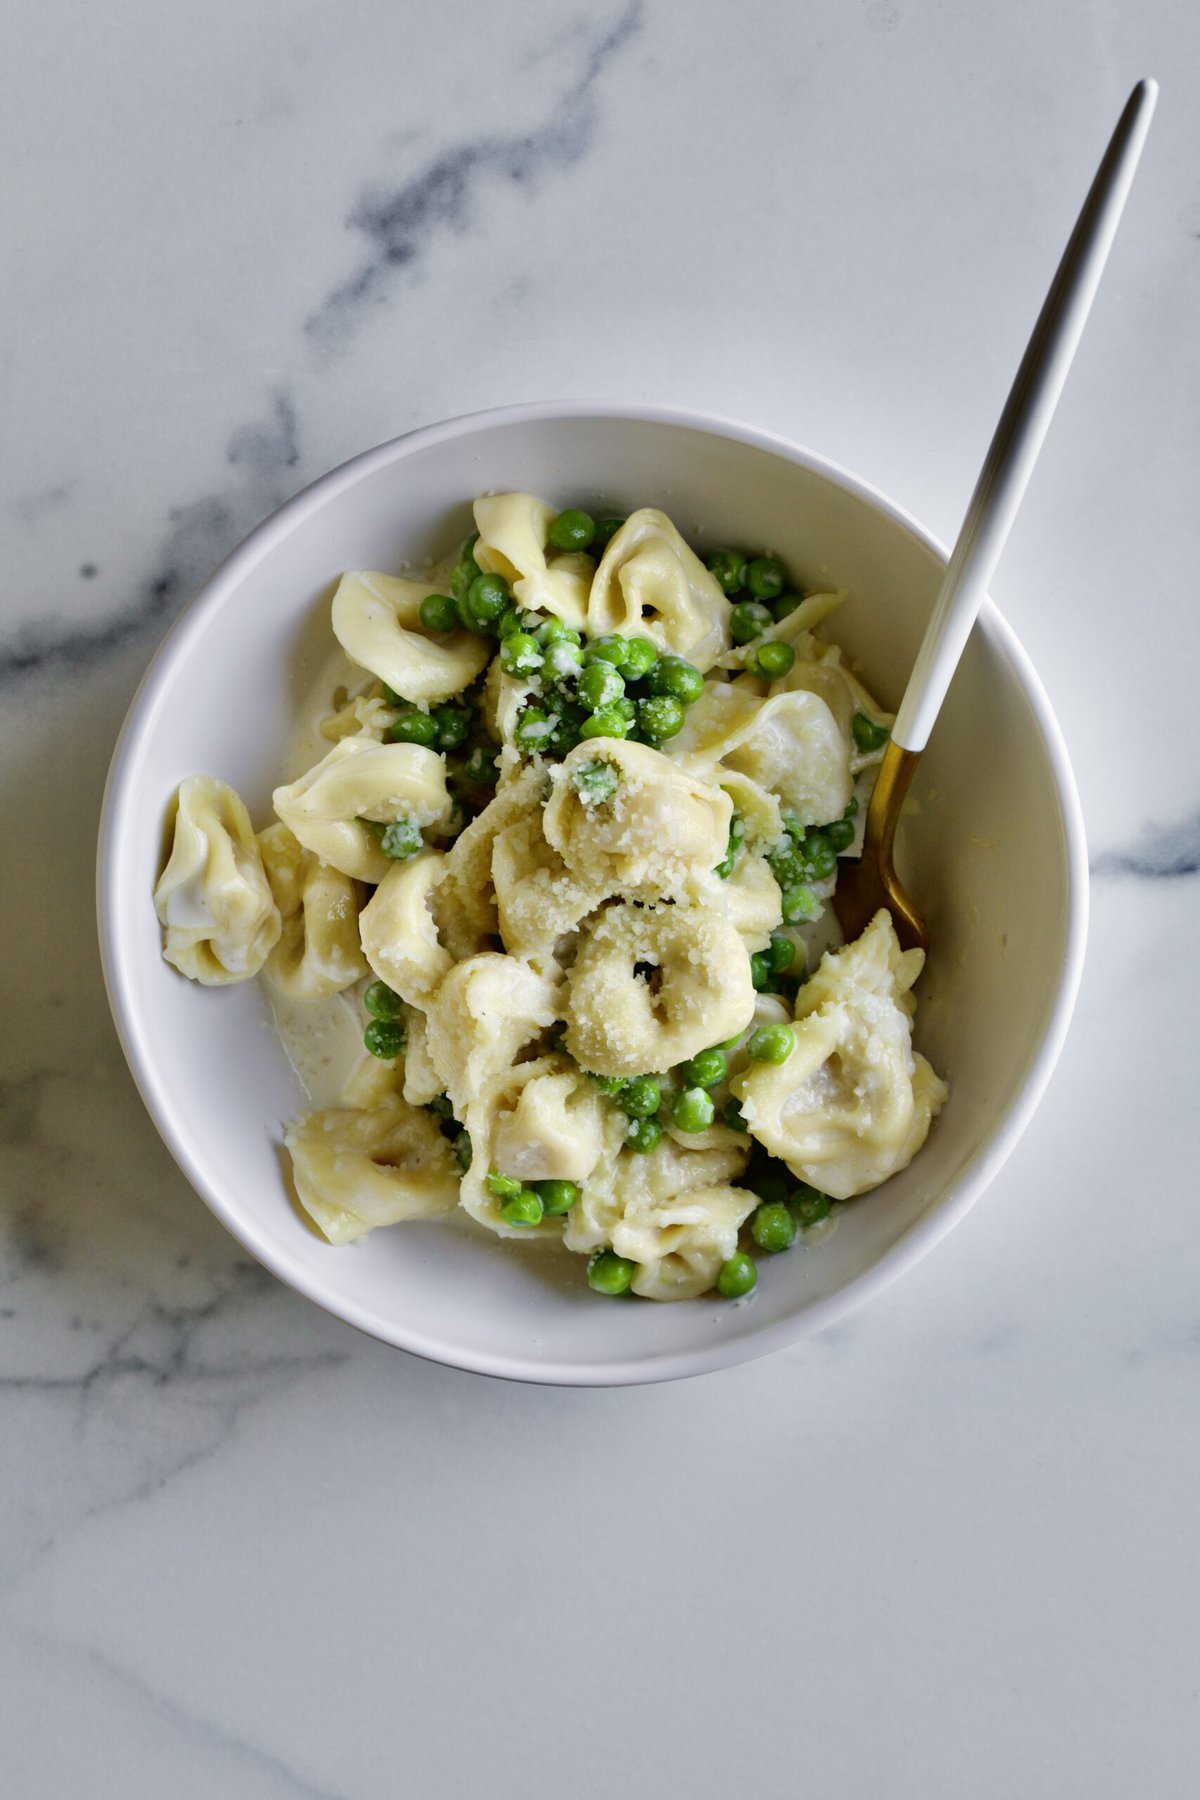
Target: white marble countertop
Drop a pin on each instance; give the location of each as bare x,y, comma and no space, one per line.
948,1548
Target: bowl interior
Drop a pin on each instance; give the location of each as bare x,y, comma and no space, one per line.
991,850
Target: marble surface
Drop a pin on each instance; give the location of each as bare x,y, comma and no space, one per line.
947,1548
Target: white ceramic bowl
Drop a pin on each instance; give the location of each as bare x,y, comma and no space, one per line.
993,850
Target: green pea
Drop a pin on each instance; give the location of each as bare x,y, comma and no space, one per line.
509,623
606,529
609,1273
737,1276
563,660
607,1084
733,1116
706,1069
785,606
773,1227
771,1044
572,530
556,631
772,660
610,649
505,1187
729,569
534,730
737,837
462,1150
484,601
640,657
384,1038
749,619
627,707
808,1206
760,972
556,1196
467,571
640,1097
818,855
597,781
600,685
413,728
867,734
781,953
766,577
851,811
800,904
481,765
382,1003
452,725
840,834
439,613
401,840
392,697
693,1109
524,1208
609,721
441,1108
643,1135
660,717
676,676
520,654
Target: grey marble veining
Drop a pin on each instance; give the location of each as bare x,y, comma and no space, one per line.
947,1547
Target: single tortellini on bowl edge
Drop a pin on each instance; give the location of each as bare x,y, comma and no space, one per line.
651,986
852,1104
358,1168
649,833
318,952
539,1121
377,621
650,583
214,902
513,540
360,782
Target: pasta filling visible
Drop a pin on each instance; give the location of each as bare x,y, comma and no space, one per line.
568,857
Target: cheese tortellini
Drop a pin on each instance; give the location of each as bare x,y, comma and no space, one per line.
853,1102
214,903
557,878
361,784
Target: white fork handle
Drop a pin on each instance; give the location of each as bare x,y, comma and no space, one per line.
1023,423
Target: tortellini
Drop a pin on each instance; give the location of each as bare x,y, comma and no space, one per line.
512,542
358,1168
680,1244
359,783
651,584
788,744
853,1102
539,1121
318,952
220,922
538,899
482,974
658,825
399,933
377,621
486,1009
651,986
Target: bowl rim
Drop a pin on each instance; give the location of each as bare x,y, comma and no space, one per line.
115,817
